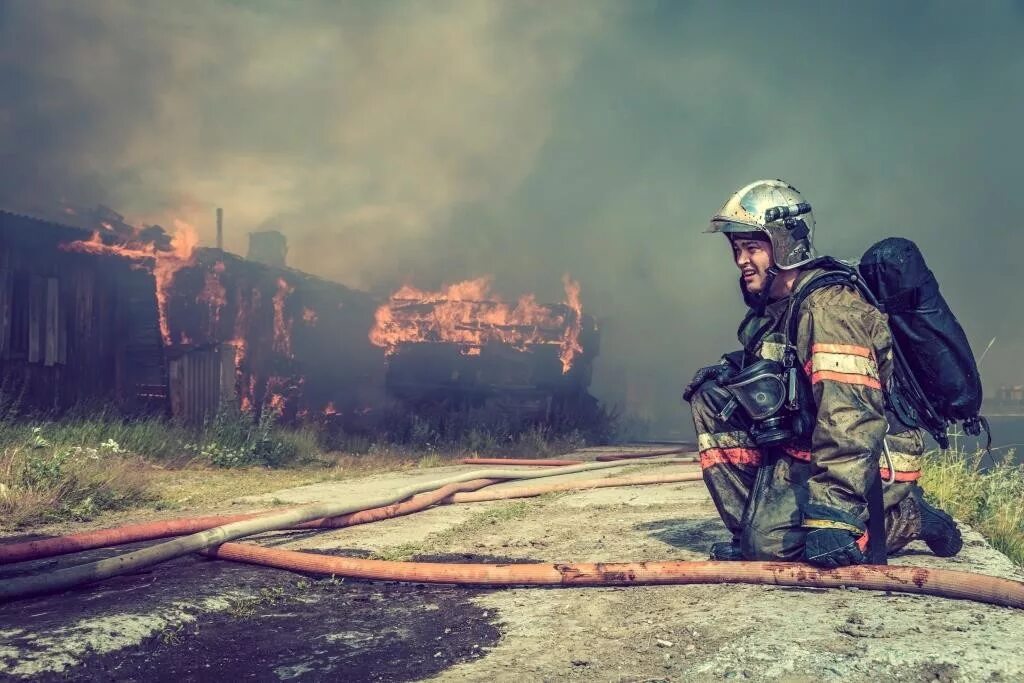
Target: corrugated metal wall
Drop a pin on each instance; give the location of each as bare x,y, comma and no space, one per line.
199,380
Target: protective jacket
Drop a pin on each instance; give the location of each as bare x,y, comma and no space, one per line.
844,346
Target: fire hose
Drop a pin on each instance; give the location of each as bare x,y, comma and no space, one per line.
537,462
608,457
937,582
465,492
90,572
547,462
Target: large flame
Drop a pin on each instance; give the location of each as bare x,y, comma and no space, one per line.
571,336
246,385
214,295
163,264
468,314
282,325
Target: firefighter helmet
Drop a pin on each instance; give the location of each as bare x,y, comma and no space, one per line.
777,209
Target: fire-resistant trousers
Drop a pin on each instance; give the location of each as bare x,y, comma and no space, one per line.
768,526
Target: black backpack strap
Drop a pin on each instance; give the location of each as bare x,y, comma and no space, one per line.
877,551
817,282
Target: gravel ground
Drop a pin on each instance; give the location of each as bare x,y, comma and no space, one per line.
199,619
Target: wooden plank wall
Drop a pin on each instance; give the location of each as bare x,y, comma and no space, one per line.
36,315
6,285
69,333
53,323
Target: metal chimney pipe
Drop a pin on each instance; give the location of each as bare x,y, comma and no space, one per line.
220,228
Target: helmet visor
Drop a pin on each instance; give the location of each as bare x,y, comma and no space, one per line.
727,226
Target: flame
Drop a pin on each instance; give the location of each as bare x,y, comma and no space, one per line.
276,399
167,264
275,403
247,396
282,327
214,294
164,265
310,317
247,389
330,409
571,336
241,348
467,314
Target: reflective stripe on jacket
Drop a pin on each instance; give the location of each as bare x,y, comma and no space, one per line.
844,346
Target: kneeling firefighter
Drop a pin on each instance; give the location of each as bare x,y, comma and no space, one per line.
799,446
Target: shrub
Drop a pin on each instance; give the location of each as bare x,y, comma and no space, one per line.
234,438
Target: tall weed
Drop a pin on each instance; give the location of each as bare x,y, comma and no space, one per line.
41,480
984,492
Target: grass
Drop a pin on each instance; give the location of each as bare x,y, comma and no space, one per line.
47,476
40,480
89,463
986,493
75,468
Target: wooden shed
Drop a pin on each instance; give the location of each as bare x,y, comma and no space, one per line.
75,329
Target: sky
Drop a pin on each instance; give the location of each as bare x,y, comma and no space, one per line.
405,142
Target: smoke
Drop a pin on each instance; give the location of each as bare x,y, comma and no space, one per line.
414,142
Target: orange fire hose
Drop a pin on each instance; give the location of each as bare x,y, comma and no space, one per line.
147,531
540,462
530,491
102,538
942,583
609,457
938,582
90,572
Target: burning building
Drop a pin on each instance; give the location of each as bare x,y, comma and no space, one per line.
150,321
464,347
74,328
261,337
273,338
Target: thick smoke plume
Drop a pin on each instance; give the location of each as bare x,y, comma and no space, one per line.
422,143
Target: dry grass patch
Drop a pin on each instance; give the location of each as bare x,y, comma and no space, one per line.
984,492
41,483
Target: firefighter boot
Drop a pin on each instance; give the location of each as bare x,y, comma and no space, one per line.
726,551
938,530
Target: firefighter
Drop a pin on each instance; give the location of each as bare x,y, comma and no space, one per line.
799,489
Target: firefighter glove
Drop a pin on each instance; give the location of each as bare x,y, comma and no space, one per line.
834,538
722,370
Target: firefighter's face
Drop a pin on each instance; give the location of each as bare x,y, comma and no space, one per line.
753,257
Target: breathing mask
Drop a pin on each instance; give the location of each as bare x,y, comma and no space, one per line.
770,396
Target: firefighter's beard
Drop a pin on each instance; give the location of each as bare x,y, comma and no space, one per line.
749,298
757,300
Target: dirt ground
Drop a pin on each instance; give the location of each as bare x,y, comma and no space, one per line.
197,619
